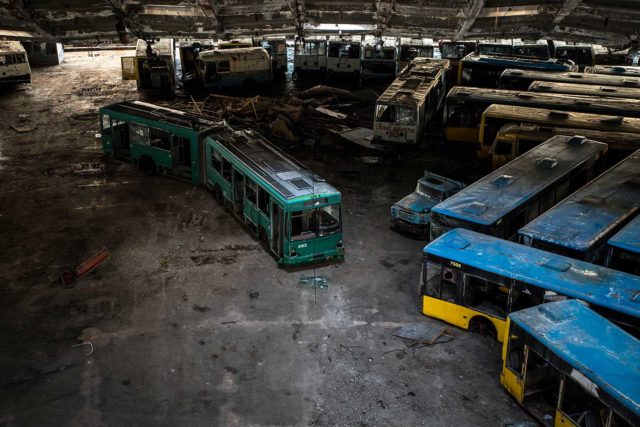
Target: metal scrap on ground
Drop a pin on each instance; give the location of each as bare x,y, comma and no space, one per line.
424,333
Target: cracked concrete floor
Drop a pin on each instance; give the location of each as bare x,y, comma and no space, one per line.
190,321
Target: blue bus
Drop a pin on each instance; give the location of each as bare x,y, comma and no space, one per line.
624,248
508,198
569,366
485,71
581,225
474,281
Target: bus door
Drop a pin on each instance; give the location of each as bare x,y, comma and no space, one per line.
120,139
276,228
181,157
238,193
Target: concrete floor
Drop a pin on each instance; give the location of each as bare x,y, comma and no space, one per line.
191,322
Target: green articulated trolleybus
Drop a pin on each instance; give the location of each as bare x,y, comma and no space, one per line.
295,212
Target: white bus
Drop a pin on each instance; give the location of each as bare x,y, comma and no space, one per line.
226,68
410,102
343,58
310,57
14,65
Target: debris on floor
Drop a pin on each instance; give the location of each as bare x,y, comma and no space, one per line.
23,128
68,278
424,333
319,282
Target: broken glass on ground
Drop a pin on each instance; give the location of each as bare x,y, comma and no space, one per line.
319,282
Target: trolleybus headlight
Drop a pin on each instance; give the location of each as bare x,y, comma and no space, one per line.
339,244
293,254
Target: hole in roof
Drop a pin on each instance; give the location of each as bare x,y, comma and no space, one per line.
547,163
576,76
576,140
503,180
475,208
628,82
618,69
300,183
608,89
555,312
617,120
562,114
555,264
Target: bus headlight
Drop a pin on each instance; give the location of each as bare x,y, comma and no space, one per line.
293,254
339,244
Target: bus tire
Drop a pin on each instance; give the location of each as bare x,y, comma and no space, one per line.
147,165
483,326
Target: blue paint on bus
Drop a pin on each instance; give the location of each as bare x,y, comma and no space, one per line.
601,286
628,238
593,346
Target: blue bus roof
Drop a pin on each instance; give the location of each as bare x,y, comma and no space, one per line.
597,285
518,62
593,346
586,216
285,175
505,189
628,238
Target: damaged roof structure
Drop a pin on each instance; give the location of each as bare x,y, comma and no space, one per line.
608,22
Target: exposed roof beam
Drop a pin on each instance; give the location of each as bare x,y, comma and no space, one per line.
471,13
567,8
382,17
215,8
297,10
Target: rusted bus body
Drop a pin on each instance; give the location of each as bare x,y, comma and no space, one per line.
190,53
154,66
497,116
413,49
516,139
614,70
410,102
14,64
589,90
343,58
517,78
277,48
227,68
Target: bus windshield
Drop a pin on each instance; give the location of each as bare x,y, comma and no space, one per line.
312,223
453,51
396,114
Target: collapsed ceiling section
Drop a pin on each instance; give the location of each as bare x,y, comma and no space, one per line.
610,22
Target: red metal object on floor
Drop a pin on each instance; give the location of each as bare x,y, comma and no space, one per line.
68,278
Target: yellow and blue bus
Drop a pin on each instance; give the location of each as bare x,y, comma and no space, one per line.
580,225
485,71
465,105
588,90
517,78
503,201
496,116
624,248
293,211
474,281
568,367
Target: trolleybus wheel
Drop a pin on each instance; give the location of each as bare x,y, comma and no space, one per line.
483,326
